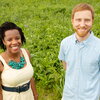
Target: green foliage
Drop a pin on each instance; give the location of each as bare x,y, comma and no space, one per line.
45,23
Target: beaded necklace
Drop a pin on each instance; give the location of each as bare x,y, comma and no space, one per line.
17,65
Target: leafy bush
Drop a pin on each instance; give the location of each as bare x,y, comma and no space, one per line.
45,23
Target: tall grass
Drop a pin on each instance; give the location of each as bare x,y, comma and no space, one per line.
45,23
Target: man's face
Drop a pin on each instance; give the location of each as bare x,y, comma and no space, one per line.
82,22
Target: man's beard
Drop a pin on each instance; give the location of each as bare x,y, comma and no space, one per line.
82,34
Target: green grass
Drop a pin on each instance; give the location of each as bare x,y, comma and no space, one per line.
45,23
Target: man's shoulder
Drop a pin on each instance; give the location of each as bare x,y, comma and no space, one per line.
97,39
68,39
96,43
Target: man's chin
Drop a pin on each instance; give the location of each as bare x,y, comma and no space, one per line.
82,33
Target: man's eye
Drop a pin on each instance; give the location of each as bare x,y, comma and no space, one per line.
78,20
87,20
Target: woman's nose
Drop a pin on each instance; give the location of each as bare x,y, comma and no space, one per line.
14,41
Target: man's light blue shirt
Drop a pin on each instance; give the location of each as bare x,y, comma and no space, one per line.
82,79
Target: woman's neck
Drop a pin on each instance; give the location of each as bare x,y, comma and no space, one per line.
13,55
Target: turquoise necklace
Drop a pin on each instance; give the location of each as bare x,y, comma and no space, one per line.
17,65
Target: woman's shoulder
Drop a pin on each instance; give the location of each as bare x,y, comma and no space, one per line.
1,66
1,63
3,55
27,51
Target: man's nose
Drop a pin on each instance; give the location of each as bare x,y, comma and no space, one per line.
82,23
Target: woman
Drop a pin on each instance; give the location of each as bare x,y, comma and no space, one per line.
17,81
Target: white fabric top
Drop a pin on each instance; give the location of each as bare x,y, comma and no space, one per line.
15,77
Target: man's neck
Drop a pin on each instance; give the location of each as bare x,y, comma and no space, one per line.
80,39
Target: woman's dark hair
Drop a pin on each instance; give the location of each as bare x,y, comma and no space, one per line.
9,26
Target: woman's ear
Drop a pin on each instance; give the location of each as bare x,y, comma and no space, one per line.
3,42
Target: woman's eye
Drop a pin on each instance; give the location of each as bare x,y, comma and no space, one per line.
9,39
18,38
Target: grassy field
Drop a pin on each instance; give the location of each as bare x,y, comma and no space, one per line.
45,23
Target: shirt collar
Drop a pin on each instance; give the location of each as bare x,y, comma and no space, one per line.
85,41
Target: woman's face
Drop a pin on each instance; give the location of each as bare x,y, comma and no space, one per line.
12,41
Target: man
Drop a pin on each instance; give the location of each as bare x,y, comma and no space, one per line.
80,54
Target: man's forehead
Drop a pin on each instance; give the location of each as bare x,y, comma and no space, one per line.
84,13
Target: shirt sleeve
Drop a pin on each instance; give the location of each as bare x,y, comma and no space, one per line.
61,55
